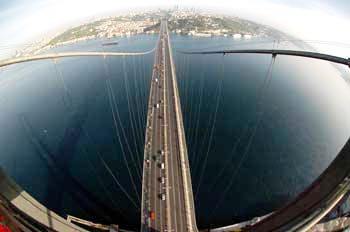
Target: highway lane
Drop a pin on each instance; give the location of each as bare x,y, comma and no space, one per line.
165,196
177,202
153,204
184,169
181,203
156,172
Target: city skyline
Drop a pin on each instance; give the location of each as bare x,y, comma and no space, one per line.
22,22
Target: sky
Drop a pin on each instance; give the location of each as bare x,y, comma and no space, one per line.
22,21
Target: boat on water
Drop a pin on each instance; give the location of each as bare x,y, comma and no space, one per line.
110,43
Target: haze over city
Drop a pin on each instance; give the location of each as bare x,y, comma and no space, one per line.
27,21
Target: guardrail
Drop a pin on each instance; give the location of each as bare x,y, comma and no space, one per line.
29,213
189,203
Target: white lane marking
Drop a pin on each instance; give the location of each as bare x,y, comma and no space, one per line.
174,178
166,111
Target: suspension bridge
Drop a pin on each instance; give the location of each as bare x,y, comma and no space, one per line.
167,201
167,190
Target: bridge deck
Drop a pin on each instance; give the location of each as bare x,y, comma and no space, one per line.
167,202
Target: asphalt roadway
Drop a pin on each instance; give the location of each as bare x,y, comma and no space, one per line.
164,203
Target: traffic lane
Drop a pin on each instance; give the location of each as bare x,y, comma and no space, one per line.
177,160
168,148
156,141
161,145
155,174
178,199
153,166
155,170
156,161
160,207
149,172
172,182
154,146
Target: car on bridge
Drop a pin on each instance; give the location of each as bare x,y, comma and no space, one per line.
161,166
162,196
152,215
161,179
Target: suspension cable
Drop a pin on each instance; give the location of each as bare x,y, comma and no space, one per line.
111,92
115,112
247,149
133,123
67,98
118,183
198,113
218,99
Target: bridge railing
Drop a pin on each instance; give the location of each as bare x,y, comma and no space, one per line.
189,202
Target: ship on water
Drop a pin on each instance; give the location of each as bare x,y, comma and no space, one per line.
110,43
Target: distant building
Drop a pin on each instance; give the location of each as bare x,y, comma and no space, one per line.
247,36
192,33
237,36
203,34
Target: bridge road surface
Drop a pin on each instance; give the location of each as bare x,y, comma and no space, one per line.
167,199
